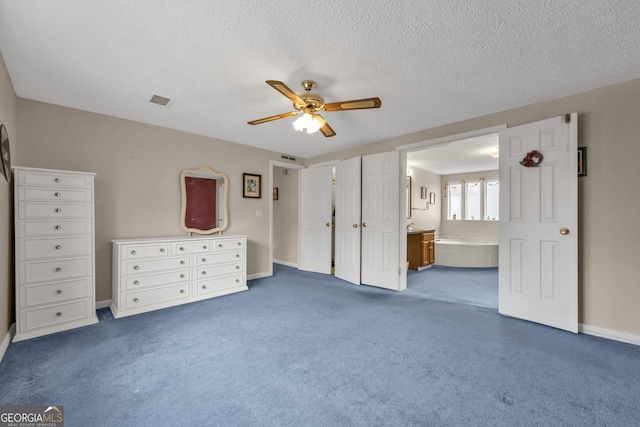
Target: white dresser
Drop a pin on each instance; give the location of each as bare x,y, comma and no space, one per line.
54,257
154,273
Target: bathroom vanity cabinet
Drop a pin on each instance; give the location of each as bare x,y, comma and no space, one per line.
421,249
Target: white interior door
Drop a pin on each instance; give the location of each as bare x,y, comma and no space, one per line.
380,219
315,219
347,217
538,276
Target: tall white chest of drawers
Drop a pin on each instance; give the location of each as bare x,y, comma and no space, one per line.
154,273
55,255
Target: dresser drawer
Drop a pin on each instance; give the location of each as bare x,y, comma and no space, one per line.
55,179
158,279
54,228
43,210
217,258
55,247
204,287
150,265
216,270
47,316
38,271
133,300
145,251
27,194
202,246
50,293
229,244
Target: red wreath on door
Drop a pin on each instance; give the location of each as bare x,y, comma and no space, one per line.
532,159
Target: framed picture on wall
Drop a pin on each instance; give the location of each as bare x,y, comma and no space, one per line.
275,193
582,161
251,185
5,161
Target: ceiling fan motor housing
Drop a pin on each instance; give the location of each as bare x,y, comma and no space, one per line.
312,101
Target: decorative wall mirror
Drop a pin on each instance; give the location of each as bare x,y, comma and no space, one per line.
204,201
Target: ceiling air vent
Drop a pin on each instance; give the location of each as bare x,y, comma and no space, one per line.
160,100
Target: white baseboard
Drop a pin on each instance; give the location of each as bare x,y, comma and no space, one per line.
288,264
609,334
4,345
259,275
103,304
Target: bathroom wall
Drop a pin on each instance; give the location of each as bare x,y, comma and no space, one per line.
423,214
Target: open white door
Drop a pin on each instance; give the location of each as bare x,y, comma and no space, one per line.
315,219
380,219
538,278
347,235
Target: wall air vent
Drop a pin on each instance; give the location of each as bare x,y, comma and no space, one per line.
161,100
288,158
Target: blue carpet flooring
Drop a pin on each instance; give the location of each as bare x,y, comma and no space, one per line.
304,349
476,286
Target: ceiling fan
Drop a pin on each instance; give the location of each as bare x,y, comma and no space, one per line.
309,103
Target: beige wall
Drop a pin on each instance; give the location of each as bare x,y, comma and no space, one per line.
473,229
424,215
8,110
285,216
138,166
609,126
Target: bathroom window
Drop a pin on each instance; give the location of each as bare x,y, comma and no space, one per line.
473,200
492,201
455,201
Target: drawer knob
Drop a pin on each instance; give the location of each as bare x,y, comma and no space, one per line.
182,291
204,260
204,247
58,292
237,280
58,314
237,255
58,269
181,248
182,261
237,267
135,282
162,250
220,245
182,276
204,273
133,252
204,286
57,180
239,243
58,247
135,267
57,194
58,210
135,300
57,227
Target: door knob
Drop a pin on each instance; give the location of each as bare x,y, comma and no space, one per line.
364,224
564,231
355,225
328,224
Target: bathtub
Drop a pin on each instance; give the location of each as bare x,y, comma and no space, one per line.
465,252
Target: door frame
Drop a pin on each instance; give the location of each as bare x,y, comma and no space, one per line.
272,165
417,146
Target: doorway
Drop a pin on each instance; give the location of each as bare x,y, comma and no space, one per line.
451,181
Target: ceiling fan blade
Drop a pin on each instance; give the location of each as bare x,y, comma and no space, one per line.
283,89
357,104
326,130
269,119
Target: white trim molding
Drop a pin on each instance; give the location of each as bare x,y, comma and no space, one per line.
259,275
609,334
4,345
103,304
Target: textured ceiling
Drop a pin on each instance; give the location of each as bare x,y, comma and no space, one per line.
431,62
